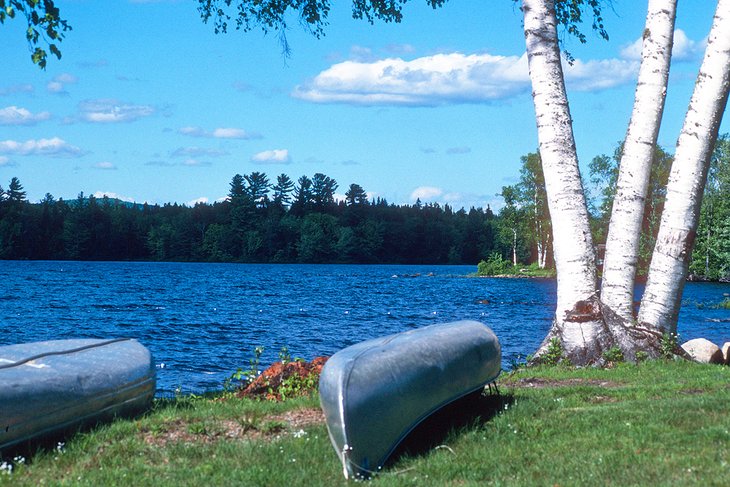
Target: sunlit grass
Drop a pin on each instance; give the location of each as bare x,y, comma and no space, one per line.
658,423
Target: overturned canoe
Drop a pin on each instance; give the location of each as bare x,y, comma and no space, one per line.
375,392
53,386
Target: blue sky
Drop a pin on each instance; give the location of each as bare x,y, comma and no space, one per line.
148,104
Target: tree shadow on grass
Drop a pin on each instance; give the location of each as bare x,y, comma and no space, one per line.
471,410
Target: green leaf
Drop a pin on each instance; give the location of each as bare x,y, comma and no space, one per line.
55,51
39,57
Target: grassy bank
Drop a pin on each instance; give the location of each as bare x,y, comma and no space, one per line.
496,266
659,423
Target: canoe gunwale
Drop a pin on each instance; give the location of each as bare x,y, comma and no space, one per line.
62,352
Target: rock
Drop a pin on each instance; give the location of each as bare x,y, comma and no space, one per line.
703,351
268,384
726,353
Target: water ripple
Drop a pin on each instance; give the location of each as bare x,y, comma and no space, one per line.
204,320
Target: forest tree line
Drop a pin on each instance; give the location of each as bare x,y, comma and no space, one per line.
260,221
302,221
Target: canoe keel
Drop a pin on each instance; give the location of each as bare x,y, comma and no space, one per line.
375,392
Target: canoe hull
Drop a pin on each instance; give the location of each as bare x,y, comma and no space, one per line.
69,384
375,392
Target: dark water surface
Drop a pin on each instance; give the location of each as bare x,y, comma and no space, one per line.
202,321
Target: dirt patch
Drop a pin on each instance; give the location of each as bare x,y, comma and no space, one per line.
210,431
540,383
602,399
300,418
692,392
285,379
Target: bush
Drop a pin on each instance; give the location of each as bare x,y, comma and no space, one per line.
554,353
495,265
669,344
614,355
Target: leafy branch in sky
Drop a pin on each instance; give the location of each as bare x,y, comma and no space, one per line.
46,28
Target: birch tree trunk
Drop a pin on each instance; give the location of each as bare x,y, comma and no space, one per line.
624,231
577,322
668,269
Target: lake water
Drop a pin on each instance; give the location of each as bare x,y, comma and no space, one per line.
202,321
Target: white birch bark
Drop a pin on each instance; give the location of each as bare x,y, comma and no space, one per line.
572,241
539,231
668,269
624,231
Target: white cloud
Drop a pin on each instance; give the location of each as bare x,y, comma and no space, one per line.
456,78
361,53
116,196
458,150
426,193
425,81
193,132
453,197
633,50
13,115
400,49
192,162
192,152
194,202
55,147
231,133
19,88
456,200
684,49
112,111
159,163
6,162
105,165
58,84
276,156
219,133
595,75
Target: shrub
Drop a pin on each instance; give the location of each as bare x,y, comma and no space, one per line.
668,345
554,353
245,376
641,356
614,355
495,265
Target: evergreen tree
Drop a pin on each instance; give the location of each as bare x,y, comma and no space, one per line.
282,190
303,198
257,188
323,191
15,192
356,195
237,189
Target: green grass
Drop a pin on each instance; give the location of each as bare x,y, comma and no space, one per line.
658,423
495,266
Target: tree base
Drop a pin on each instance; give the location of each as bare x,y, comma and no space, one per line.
592,334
